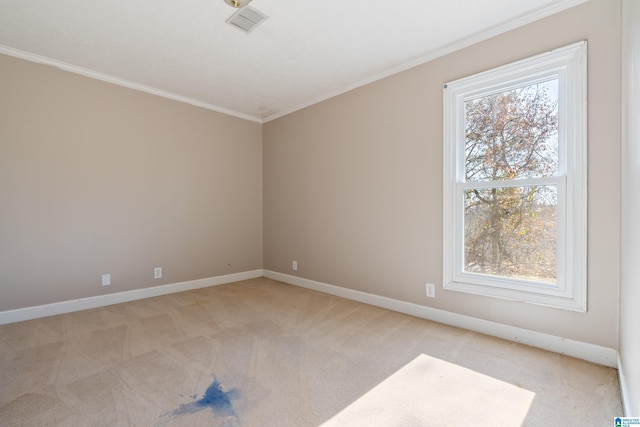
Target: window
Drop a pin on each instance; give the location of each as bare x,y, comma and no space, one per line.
515,196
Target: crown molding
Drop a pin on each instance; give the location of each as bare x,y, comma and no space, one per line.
496,30
39,59
501,28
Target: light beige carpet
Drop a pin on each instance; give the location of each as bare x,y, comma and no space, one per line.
262,353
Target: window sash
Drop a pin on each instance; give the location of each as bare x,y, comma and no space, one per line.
461,275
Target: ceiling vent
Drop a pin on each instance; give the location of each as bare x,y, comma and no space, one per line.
246,19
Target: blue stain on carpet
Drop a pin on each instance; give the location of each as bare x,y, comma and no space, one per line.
215,398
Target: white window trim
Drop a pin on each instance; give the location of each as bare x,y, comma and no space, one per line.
569,65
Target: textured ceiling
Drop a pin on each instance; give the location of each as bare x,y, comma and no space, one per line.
306,51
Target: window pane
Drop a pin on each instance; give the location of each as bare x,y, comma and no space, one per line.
512,134
511,232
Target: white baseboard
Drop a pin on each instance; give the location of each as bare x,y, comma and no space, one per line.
590,352
624,391
28,313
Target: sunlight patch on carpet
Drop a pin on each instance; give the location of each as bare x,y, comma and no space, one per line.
430,391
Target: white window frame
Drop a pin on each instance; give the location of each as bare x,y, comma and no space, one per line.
569,65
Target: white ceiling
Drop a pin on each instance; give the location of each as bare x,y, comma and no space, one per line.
306,51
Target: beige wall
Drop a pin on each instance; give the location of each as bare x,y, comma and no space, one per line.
96,178
630,267
353,185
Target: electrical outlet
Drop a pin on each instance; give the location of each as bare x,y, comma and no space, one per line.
294,265
431,290
106,279
157,273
